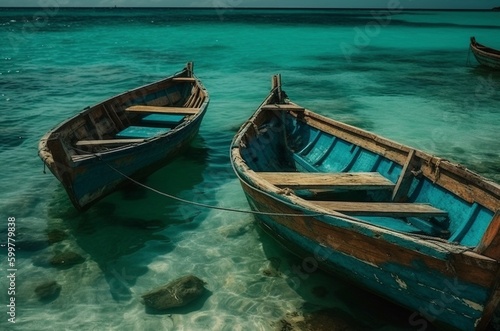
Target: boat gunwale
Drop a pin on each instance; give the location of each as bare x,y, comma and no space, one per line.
484,50
485,56
46,155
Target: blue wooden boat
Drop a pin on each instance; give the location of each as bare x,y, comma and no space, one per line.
131,134
486,56
414,228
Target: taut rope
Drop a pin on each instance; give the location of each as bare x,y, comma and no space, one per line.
203,205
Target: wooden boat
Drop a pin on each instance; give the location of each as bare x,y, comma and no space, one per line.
131,134
486,56
414,228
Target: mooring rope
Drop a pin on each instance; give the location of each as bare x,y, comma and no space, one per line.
203,205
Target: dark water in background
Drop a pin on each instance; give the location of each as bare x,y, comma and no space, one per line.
407,75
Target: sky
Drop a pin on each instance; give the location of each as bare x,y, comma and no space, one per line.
389,4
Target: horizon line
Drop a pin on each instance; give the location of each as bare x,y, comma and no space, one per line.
246,8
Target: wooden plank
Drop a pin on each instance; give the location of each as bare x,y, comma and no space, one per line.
319,180
184,79
124,116
97,129
370,141
163,110
490,243
393,209
199,98
107,142
404,181
110,118
114,118
192,97
290,107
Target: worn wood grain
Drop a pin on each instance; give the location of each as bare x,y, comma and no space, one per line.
394,209
184,79
404,181
286,107
490,243
355,180
108,142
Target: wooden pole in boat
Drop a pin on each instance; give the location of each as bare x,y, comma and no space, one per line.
276,84
190,67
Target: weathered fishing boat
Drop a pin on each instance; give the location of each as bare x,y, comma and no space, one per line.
486,56
131,134
414,228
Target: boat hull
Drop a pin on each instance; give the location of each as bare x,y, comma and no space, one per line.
485,56
413,228
428,286
129,135
90,180
487,61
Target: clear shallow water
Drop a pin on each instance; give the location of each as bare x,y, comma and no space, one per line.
407,76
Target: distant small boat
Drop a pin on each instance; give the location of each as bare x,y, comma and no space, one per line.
414,228
486,56
131,134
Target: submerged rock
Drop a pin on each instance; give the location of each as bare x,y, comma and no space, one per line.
177,293
235,230
66,259
48,290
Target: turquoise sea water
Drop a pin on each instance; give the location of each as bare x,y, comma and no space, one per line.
407,75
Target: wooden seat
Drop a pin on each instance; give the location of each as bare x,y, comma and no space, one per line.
108,142
285,107
391,209
162,110
320,180
184,79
